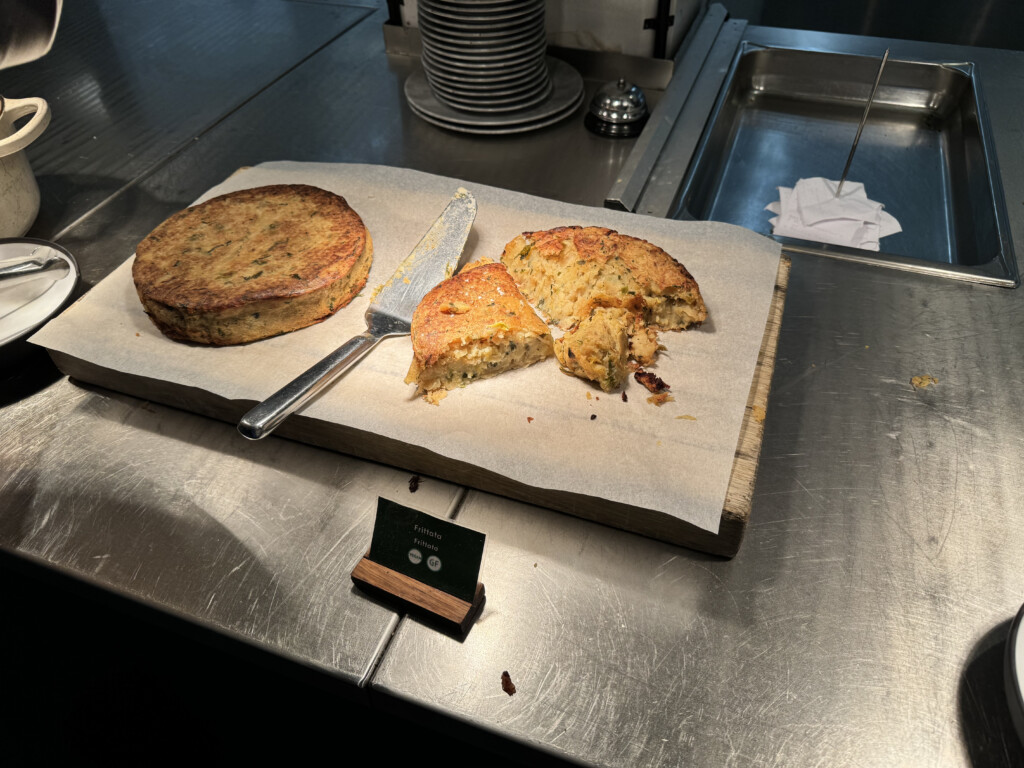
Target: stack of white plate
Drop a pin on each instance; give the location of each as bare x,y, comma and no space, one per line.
486,69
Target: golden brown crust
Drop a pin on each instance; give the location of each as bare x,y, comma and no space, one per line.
473,325
566,270
609,292
251,264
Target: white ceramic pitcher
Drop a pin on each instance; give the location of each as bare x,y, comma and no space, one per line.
19,192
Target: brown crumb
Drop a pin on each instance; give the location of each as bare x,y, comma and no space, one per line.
651,381
506,684
137,333
624,398
529,419
759,413
454,308
414,483
593,416
660,398
920,382
687,417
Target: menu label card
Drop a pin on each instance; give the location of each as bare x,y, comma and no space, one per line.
436,552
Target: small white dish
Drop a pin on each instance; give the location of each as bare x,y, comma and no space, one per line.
28,301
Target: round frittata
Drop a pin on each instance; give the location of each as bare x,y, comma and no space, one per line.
252,264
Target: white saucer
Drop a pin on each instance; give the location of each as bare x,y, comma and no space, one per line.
28,301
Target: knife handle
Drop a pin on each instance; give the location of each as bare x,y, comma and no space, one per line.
265,417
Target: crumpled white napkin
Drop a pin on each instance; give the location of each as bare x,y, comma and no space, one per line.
811,211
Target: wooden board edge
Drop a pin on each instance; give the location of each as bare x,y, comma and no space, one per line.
740,493
656,525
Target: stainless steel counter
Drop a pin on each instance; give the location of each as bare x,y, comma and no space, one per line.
860,624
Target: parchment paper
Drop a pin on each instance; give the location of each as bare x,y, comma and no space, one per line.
533,425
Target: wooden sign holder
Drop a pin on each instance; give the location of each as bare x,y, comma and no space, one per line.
441,608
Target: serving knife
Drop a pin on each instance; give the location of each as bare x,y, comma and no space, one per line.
389,314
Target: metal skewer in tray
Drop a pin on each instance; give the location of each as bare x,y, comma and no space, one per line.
863,120
758,117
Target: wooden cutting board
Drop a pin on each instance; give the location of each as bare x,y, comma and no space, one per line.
103,364
735,512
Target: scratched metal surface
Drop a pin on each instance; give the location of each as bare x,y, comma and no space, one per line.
862,622
860,625
130,84
253,540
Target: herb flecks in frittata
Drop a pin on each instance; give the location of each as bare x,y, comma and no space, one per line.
252,264
609,292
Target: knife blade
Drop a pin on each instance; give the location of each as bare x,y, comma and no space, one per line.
389,314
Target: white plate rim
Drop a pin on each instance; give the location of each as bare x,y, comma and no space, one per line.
64,286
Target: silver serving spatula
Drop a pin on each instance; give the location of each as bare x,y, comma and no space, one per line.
389,314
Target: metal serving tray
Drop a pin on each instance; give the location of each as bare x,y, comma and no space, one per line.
926,153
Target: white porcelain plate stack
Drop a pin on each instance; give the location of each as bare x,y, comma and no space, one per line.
486,69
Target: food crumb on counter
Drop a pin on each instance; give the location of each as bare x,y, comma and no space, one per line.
506,684
660,398
920,382
414,483
529,419
624,398
593,416
759,413
687,417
